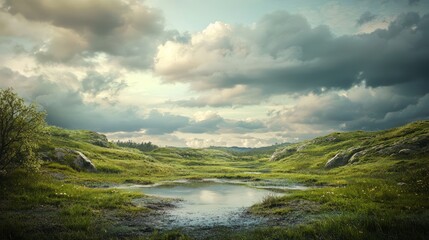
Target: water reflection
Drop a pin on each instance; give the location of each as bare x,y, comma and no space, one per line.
207,196
209,203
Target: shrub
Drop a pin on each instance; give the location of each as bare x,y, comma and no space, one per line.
21,126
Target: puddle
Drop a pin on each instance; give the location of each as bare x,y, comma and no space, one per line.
211,202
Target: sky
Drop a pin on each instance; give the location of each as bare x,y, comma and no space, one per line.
192,73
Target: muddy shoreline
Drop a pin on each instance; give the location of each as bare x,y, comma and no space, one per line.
160,219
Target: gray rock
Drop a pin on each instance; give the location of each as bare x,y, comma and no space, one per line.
285,152
73,158
340,159
60,153
405,151
328,139
407,146
301,147
357,156
99,139
84,162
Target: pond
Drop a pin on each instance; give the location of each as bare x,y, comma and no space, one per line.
212,202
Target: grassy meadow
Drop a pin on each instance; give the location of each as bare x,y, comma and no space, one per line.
378,196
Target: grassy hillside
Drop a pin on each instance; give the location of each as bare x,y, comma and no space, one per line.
378,187
383,194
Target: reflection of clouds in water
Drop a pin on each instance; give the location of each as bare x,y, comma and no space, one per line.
250,193
208,196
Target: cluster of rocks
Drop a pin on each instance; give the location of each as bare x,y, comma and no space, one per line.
98,139
72,158
327,139
406,147
402,148
344,157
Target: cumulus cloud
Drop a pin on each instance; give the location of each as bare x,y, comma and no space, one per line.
283,54
127,30
230,140
96,83
158,123
204,122
237,95
77,58
66,107
210,122
359,108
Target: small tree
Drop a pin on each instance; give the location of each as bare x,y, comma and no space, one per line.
21,126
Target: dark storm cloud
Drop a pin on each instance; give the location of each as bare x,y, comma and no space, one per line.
282,54
208,125
237,95
127,30
365,18
215,124
96,83
413,2
65,108
360,108
98,16
157,123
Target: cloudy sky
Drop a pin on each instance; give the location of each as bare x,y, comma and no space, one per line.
226,72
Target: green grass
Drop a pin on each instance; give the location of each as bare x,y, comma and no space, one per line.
350,226
379,197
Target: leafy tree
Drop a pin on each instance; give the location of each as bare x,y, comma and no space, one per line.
21,127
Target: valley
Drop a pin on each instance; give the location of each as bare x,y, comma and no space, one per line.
347,185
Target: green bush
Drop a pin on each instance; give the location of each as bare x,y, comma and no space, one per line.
20,129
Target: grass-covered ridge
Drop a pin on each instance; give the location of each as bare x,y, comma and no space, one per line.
382,192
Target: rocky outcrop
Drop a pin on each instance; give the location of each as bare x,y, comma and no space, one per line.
288,151
72,158
83,162
285,152
399,143
342,158
408,146
405,151
326,139
98,139
357,156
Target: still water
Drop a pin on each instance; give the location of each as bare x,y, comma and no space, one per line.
210,203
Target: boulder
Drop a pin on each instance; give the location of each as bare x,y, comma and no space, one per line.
285,152
98,139
357,156
340,159
72,158
405,151
83,162
301,147
407,146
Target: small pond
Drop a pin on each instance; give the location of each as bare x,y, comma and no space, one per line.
212,202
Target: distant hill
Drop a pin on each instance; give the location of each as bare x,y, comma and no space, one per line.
250,151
